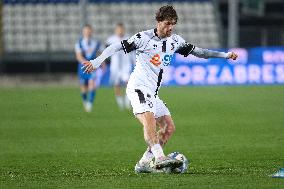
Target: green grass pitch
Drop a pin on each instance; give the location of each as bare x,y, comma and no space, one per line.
233,137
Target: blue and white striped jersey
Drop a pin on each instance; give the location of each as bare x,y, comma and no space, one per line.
88,47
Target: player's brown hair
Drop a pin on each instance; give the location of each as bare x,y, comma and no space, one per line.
87,26
166,12
120,24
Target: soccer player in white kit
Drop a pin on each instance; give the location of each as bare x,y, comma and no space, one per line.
154,50
120,67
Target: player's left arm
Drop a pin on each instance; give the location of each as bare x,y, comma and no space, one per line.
205,53
185,49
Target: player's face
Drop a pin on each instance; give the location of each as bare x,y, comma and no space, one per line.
165,28
87,32
119,30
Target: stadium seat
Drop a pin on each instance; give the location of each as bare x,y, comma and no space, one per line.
31,22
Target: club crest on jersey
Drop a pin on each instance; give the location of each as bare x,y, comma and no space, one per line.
156,60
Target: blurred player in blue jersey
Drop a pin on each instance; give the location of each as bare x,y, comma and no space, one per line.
120,67
87,48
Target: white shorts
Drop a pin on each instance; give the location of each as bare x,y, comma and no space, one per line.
143,100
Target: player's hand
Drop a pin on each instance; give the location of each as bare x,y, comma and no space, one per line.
87,67
232,55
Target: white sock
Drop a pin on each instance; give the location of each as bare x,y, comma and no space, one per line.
119,101
147,156
157,151
126,102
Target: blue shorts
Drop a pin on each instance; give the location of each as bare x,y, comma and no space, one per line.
85,77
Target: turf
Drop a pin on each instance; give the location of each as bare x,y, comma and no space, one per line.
233,137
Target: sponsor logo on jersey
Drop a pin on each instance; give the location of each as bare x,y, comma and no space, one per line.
167,59
156,60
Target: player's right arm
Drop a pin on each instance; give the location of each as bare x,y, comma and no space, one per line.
127,46
90,66
78,53
80,57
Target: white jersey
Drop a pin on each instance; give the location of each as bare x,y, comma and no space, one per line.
120,63
152,55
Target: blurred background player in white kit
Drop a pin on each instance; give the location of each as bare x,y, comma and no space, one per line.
121,66
87,48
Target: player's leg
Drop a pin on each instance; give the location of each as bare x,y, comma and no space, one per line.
118,95
164,122
126,102
166,128
143,164
115,81
91,93
154,149
151,137
124,80
84,92
83,85
121,98
144,107
149,127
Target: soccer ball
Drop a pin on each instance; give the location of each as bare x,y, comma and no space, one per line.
181,157
175,155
